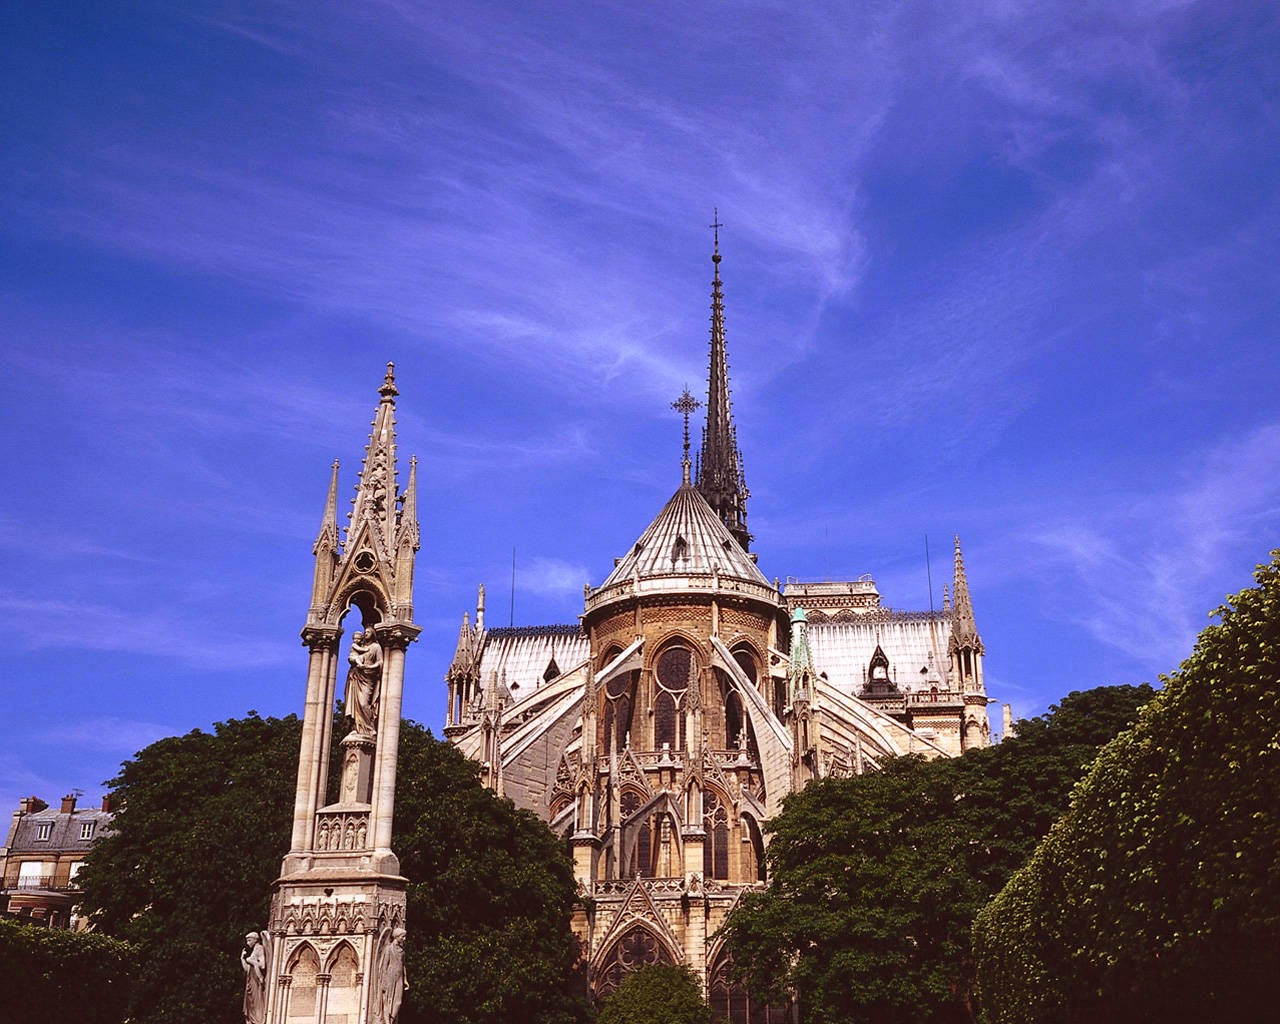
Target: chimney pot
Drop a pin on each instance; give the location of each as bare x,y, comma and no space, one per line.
69,804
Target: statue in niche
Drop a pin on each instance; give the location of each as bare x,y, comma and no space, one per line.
363,677
253,959
391,982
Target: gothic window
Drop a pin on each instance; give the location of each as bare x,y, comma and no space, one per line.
715,850
637,948
675,668
779,698
747,663
878,672
619,699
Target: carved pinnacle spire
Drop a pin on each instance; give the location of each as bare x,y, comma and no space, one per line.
407,517
376,491
964,627
327,538
720,476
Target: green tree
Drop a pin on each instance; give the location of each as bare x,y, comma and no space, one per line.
206,817
53,975
658,994
875,880
186,871
1157,897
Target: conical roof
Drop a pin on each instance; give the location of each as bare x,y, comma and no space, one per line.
686,538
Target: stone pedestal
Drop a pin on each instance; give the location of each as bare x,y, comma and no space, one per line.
356,786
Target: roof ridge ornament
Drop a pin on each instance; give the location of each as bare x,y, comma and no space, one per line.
686,404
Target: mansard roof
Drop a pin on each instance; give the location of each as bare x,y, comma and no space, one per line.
686,538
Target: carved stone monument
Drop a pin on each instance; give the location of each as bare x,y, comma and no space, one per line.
335,947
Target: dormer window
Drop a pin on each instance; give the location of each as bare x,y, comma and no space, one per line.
44,830
878,679
680,549
86,830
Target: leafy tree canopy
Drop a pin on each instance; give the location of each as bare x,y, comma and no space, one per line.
875,880
53,975
1157,897
658,994
205,821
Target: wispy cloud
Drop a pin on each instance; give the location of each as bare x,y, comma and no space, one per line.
88,626
107,734
1139,565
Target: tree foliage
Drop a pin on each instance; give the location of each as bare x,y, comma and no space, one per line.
657,994
875,880
1157,897
206,818
186,871
53,975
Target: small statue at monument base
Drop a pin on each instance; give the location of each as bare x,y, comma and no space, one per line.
253,958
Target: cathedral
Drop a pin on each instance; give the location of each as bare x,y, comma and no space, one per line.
660,732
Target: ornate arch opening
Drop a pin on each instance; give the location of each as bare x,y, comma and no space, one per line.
343,996
304,974
639,946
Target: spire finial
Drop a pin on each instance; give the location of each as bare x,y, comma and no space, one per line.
686,404
715,226
720,476
388,391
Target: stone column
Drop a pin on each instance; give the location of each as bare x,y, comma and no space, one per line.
395,638
321,641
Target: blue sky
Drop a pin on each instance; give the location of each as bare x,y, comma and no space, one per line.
1003,269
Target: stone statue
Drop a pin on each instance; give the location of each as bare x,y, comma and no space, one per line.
253,958
391,981
362,682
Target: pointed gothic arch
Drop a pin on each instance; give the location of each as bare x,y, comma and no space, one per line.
641,945
716,808
675,670
303,971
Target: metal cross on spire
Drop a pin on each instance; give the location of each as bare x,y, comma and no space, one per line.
686,404
715,226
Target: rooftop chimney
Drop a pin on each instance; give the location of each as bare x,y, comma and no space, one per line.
69,804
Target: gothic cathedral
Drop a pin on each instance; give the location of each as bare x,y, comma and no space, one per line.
660,733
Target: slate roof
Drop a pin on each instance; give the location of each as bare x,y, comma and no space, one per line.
64,836
521,655
910,640
686,537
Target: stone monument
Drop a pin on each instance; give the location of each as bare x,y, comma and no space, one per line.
335,944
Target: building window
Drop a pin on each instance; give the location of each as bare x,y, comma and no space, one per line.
44,830
31,874
675,669
75,870
86,830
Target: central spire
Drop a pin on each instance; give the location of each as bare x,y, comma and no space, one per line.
720,476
